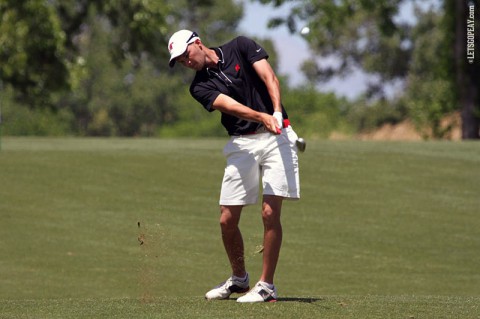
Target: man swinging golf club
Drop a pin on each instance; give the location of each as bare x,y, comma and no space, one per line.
237,80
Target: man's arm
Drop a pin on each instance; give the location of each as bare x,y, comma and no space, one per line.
228,105
267,75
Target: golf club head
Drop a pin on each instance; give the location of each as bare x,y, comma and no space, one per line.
301,144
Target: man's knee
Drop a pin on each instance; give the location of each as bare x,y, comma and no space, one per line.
270,217
271,210
229,218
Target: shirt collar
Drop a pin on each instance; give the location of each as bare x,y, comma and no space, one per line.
221,57
220,62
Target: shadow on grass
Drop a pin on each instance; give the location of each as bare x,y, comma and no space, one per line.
297,299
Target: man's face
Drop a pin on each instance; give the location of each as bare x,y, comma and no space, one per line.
192,58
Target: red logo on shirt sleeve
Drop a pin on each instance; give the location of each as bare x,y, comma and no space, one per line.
237,67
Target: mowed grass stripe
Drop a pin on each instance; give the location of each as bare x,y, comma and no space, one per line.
375,219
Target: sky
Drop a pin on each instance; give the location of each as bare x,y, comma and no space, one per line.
292,49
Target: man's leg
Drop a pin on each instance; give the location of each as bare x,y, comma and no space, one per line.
232,238
233,242
264,290
272,238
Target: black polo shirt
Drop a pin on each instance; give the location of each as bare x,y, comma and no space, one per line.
235,77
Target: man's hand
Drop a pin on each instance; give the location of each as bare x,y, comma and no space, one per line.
279,117
271,123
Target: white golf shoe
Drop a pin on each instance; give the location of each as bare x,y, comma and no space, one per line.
260,293
225,289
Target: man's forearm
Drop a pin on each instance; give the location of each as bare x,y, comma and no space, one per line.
228,105
273,87
267,75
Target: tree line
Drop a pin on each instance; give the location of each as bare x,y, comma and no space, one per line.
428,58
99,68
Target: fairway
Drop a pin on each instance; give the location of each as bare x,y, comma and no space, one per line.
128,228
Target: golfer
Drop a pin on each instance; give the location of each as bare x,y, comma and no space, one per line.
237,80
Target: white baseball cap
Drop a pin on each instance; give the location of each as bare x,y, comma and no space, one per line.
179,42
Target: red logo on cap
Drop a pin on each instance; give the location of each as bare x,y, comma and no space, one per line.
171,46
237,67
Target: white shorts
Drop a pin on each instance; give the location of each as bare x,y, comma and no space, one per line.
272,157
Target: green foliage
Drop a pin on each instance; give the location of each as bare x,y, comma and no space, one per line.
42,122
116,71
19,120
99,67
428,102
358,33
428,57
39,40
314,114
365,116
215,20
119,100
138,26
429,90
32,54
192,120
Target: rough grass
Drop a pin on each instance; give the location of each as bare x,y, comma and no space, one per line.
127,228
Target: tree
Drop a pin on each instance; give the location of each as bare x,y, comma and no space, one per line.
358,33
140,94
429,93
32,53
367,35
466,68
39,40
109,64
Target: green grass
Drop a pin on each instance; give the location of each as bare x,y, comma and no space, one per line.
383,230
